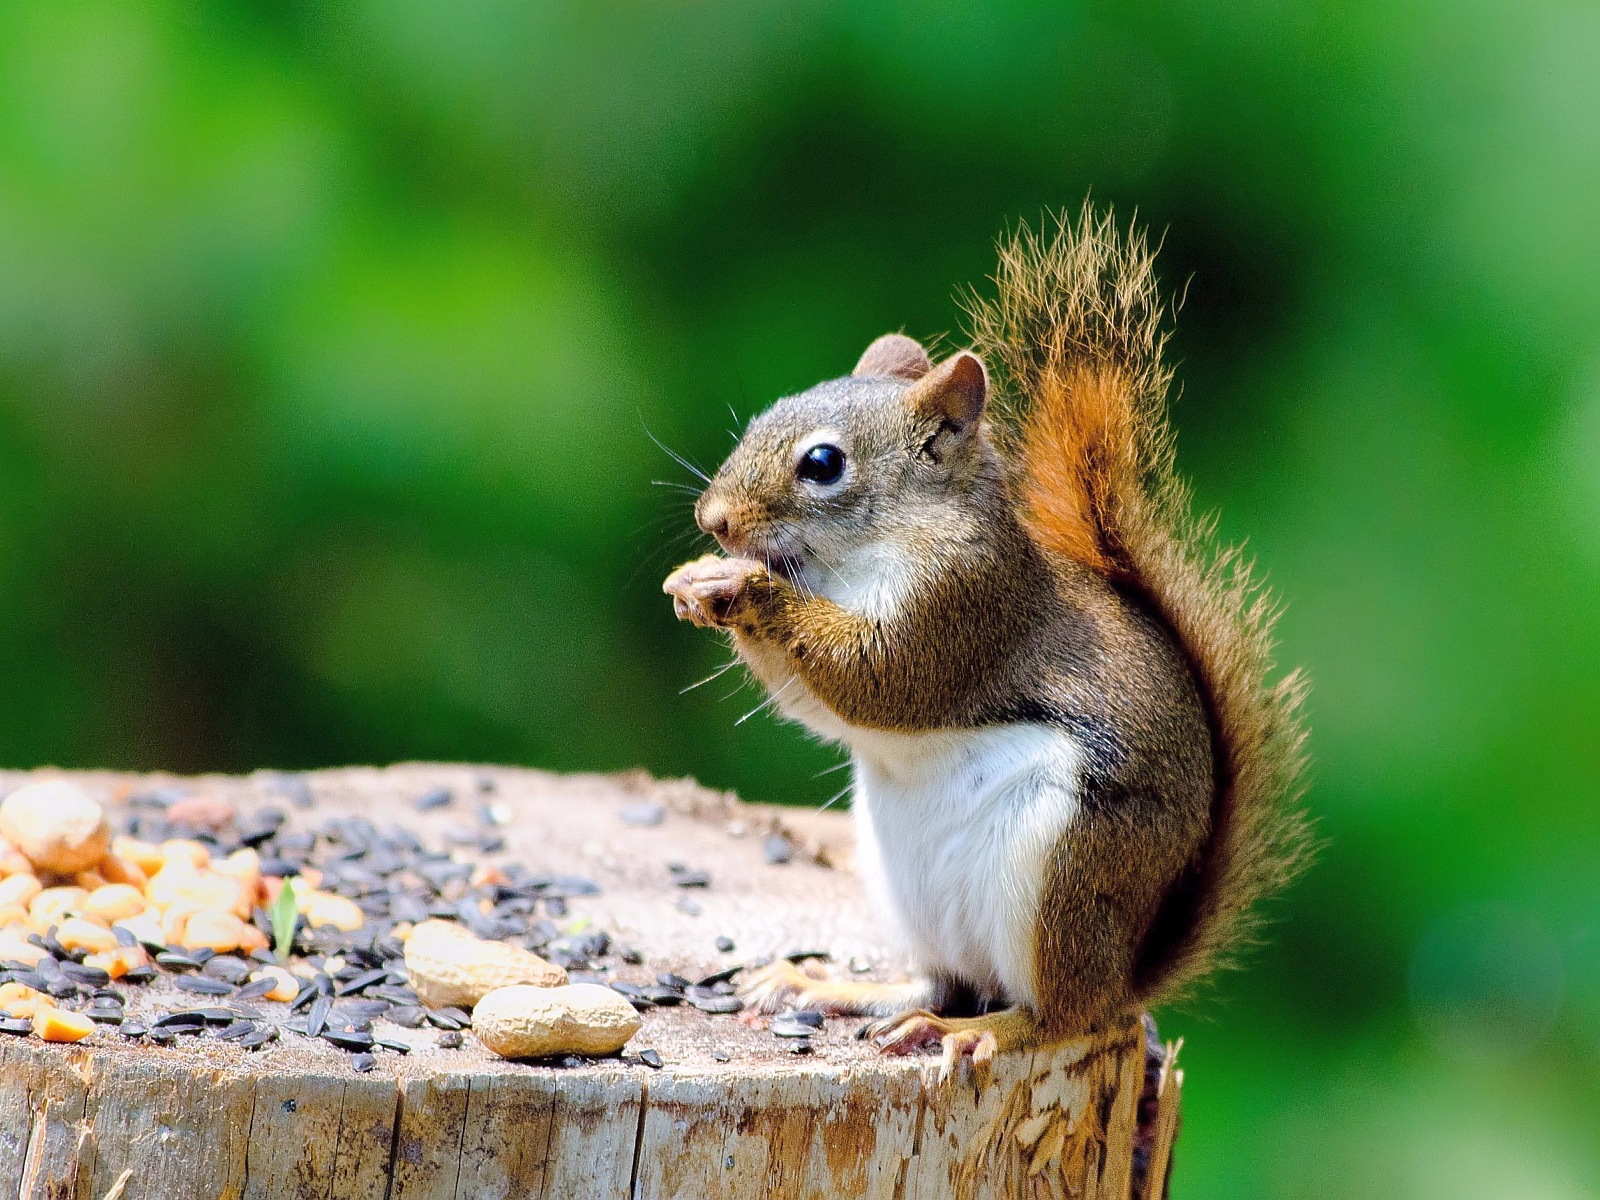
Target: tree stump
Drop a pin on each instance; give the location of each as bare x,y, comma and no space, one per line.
732,1112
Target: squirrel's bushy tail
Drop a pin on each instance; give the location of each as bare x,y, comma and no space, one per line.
1075,336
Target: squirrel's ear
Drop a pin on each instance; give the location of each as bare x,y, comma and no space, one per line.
894,354
954,391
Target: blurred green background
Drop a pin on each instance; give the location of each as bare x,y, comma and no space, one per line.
329,336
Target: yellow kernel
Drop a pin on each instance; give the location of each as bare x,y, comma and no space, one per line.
324,908
114,902
219,931
117,963
19,890
144,855
22,1001
285,986
75,933
52,905
186,851
54,1025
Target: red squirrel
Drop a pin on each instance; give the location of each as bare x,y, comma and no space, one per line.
1073,774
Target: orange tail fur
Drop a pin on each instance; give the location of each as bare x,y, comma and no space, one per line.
1075,335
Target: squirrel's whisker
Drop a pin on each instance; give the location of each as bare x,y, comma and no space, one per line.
717,674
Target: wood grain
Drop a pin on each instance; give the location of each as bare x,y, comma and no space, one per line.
203,1119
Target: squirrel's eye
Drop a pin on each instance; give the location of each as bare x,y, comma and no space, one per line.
821,464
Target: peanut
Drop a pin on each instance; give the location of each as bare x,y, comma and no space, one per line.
532,1022
449,966
57,825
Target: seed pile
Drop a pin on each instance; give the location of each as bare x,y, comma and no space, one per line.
99,926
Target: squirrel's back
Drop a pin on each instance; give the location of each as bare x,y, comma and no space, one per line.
1075,334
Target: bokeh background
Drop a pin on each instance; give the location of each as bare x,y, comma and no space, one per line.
330,335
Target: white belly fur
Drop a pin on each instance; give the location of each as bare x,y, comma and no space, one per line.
952,830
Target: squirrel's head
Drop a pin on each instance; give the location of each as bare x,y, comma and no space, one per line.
884,462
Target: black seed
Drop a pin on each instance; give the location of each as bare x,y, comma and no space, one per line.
668,980
183,1019
721,1056
800,956
407,907
173,961
725,945
393,993
30,978
358,1011
85,974
450,1040
642,814
166,1037
279,867
323,983
348,1039
651,1058
777,849
392,1044
409,1016
707,1001
801,1046
132,1029
361,982
317,1018
145,974
721,976
125,937
216,1016
228,968
439,797
236,1031
303,997
664,996
806,1016
245,1011
555,907
202,954
200,985
449,1018
684,877
15,1025
259,1036
686,905
104,1016
787,1027
256,988
363,1063
105,996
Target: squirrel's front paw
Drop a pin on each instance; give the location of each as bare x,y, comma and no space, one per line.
710,590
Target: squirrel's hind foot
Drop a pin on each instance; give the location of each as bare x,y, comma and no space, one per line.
782,984
977,1039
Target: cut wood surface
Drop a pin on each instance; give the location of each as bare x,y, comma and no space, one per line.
731,1113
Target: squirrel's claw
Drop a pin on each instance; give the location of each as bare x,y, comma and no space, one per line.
774,987
921,1030
705,591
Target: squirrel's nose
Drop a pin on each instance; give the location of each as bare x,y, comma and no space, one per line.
713,518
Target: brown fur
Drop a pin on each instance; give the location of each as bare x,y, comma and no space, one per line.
1076,335
1058,579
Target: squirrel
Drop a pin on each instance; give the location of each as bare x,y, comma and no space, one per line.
1073,774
